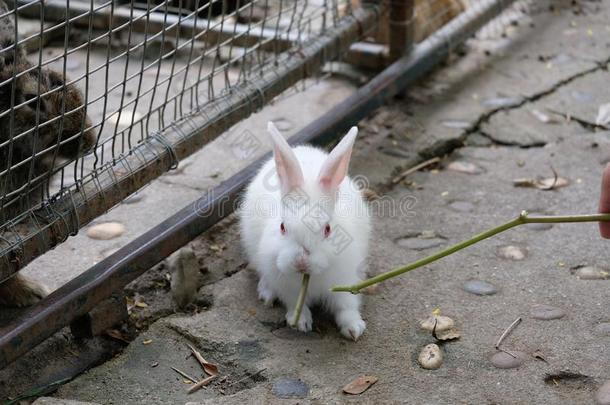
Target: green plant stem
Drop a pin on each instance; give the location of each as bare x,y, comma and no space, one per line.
520,220
301,299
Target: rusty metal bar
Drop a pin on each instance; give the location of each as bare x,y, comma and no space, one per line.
80,295
148,160
401,27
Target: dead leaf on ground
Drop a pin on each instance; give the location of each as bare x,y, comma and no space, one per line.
539,355
116,334
550,183
360,384
210,368
445,335
147,342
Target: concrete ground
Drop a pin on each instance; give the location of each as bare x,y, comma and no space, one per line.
483,116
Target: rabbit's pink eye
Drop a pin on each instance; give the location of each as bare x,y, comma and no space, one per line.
327,230
282,228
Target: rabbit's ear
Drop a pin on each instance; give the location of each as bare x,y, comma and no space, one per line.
335,167
286,163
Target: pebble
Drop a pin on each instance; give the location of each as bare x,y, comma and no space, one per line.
290,388
106,231
603,394
511,252
546,312
464,167
603,328
442,323
505,360
480,287
591,273
461,206
415,243
430,357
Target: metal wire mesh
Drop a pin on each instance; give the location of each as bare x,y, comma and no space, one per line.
135,69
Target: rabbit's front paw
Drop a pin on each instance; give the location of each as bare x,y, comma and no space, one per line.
305,321
351,325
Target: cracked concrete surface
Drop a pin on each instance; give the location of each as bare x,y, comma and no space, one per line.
477,110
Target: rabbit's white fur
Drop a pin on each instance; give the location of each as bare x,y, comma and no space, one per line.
312,190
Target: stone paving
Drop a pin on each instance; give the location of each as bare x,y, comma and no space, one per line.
514,107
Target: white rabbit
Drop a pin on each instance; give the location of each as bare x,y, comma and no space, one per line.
302,214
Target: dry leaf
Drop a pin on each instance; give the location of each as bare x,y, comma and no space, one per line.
539,355
360,384
550,183
603,115
450,334
116,334
210,368
141,304
438,323
147,342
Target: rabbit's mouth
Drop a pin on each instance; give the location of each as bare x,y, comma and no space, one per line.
302,267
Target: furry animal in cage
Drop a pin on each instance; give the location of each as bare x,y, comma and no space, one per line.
29,135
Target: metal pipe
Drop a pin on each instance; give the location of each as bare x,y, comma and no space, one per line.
80,295
401,27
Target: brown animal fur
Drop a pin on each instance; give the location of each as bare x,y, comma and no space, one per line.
17,144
